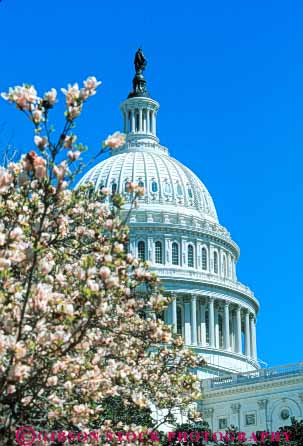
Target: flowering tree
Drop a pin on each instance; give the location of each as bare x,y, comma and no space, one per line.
77,321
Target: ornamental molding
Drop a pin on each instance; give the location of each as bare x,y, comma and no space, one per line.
248,388
233,291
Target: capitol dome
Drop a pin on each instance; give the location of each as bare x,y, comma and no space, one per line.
176,229
168,184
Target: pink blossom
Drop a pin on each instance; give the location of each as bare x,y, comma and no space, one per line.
16,233
129,258
60,170
109,224
11,389
37,115
91,83
92,285
105,191
73,112
23,96
50,97
115,140
69,140
46,266
4,263
118,248
6,180
104,272
131,187
20,350
19,372
40,172
52,381
73,156
27,400
41,142
72,94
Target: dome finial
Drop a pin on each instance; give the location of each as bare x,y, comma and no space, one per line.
139,83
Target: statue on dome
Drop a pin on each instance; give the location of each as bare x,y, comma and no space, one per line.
140,61
139,83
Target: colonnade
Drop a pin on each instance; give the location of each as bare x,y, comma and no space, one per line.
202,320
140,121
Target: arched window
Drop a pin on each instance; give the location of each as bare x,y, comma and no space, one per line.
126,186
167,188
224,267
190,192
141,183
114,187
215,262
179,321
141,250
204,259
175,253
158,252
154,186
179,190
190,256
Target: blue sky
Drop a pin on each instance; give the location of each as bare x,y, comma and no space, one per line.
229,77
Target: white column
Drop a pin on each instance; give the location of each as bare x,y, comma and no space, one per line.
211,322
133,122
150,250
140,120
199,266
147,121
132,247
167,251
253,338
202,325
174,313
226,326
183,252
194,319
144,121
154,122
247,334
217,343
233,332
187,324
238,331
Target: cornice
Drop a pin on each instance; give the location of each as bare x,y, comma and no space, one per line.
249,387
220,286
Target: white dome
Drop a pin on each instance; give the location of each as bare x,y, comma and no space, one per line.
169,185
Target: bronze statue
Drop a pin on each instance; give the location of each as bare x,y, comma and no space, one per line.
139,83
140,61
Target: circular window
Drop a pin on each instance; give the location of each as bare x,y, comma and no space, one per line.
284,414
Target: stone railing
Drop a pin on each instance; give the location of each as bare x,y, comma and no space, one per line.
200,275
252,377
